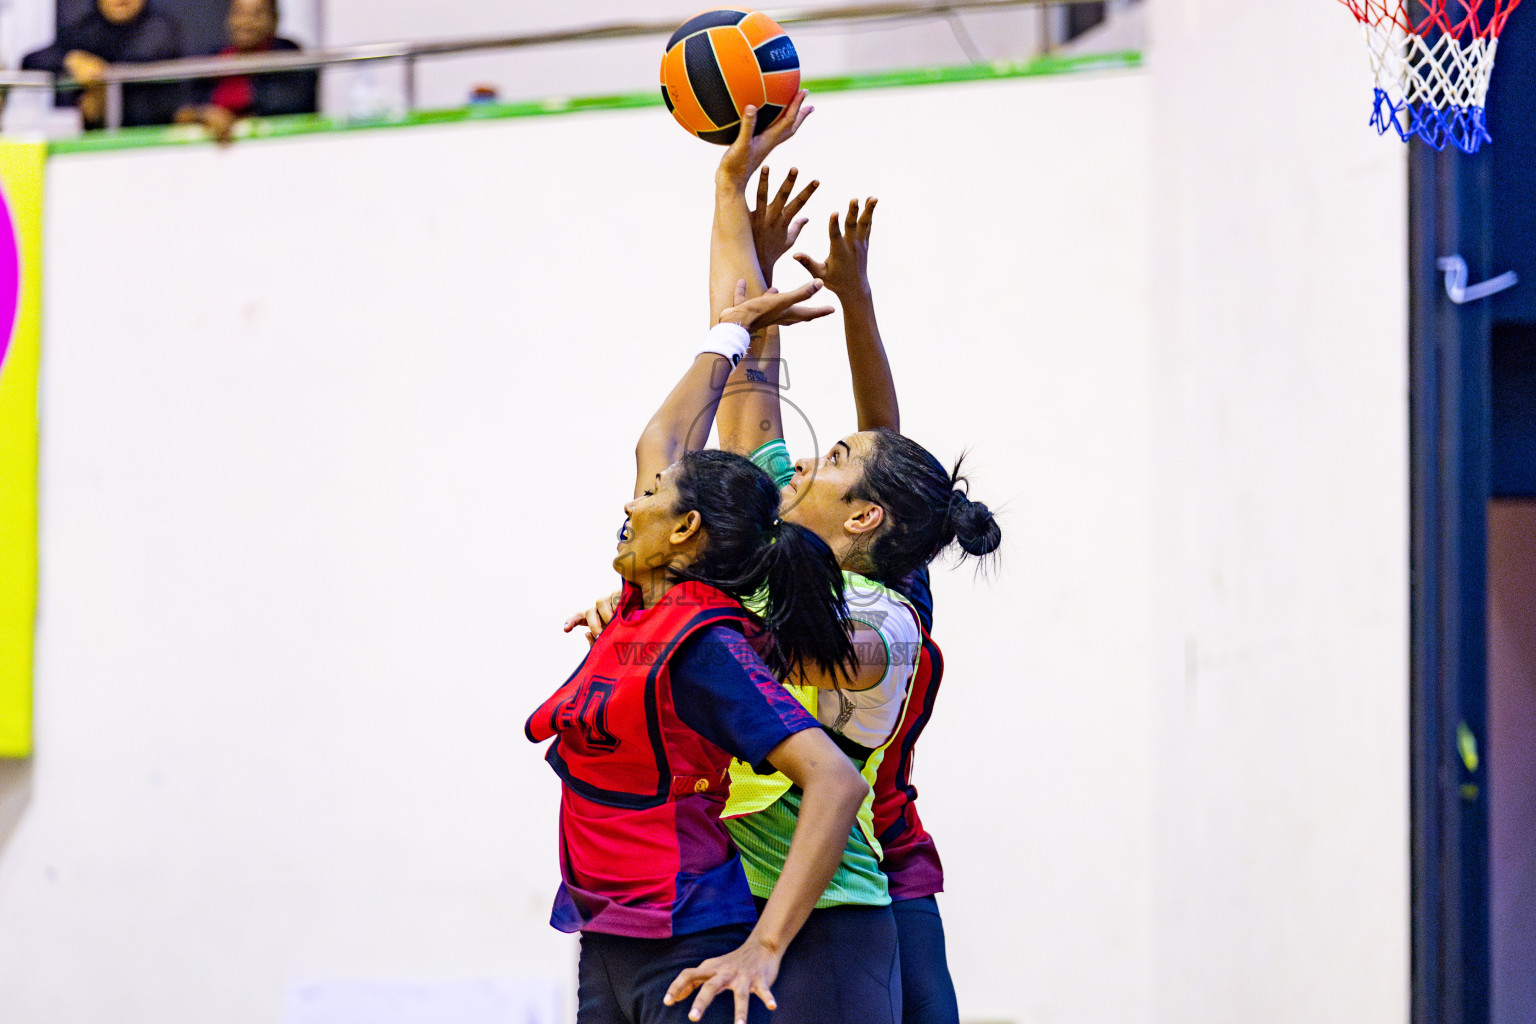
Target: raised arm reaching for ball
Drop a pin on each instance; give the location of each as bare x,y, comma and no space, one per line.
887,507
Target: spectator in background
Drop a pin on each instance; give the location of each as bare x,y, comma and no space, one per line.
252,26
116,32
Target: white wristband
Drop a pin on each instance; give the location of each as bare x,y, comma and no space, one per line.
728,340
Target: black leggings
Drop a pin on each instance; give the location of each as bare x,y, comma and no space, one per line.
843,968
622,980
927,993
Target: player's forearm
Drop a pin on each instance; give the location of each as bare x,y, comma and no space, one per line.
749,414
874,389
752,395
683,421
832,796
732,252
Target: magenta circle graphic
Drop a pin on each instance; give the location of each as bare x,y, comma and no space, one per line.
10,277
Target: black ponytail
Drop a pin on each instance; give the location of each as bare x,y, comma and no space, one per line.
975,528
748,548
926,509
806,607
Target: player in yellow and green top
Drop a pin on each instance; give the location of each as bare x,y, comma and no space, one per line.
887,508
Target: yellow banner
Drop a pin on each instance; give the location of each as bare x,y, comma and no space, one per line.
21,294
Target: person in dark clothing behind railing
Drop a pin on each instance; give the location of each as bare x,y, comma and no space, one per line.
252,26
116,32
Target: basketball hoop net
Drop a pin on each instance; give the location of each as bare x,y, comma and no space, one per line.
1433,60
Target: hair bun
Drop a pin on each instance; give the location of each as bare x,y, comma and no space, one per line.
976,530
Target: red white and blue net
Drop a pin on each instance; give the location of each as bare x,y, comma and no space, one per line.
1433,60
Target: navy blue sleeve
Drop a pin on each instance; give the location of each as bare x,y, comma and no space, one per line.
918,590
724,692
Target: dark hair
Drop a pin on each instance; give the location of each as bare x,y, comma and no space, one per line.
926,509
748,547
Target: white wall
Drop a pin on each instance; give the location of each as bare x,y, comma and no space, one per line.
25,25
330,456
303,21
342,432
1281,538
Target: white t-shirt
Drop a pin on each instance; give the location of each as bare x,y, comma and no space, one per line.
869,717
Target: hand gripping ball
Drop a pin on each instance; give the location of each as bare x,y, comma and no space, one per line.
722,61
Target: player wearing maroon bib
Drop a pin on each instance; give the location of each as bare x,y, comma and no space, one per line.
887,508
909,858
643,738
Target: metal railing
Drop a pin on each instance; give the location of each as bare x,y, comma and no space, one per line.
117,75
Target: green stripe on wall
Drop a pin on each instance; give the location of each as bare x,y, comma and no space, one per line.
312,124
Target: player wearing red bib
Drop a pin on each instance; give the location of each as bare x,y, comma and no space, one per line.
887,508
644,730
643,761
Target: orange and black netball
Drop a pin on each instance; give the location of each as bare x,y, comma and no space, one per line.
722,61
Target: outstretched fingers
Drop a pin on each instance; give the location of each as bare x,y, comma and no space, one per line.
792,235
812,267
801,111
797,204
762,188
742,988
685,983
772,308
707,993
786,189
804,314
608,607
780,131
793,117
783,300
743,141
867,218
764,993
746,972
794,313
